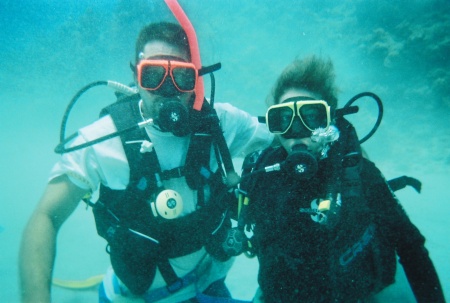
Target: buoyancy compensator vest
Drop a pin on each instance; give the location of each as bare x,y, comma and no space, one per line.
345,152
139,242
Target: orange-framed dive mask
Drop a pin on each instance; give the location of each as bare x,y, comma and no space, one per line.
151,74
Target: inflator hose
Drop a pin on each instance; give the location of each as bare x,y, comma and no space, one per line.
60,148
69,107
380,112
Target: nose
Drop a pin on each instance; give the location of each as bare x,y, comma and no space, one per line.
168,89
297,126
297,130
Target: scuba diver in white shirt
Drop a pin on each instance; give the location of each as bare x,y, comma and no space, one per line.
161,161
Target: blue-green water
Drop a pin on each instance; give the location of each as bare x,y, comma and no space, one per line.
50,49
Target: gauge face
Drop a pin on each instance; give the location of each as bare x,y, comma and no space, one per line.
168,204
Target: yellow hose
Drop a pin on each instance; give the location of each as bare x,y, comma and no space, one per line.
79,284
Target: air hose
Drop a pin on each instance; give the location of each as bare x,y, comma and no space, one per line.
380,112
118,87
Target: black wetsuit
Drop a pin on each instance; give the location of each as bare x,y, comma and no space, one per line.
304,261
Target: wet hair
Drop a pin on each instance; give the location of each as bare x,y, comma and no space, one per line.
163,31
311,73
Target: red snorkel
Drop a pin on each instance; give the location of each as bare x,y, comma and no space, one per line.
179,14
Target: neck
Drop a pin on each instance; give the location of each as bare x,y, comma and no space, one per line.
143,111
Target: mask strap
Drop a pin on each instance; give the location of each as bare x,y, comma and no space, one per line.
133,68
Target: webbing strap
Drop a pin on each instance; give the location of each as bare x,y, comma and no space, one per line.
159,293
169,275
164,292
176,172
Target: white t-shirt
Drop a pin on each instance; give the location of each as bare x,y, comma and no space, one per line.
105,163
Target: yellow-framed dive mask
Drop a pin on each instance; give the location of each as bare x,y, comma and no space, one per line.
312,114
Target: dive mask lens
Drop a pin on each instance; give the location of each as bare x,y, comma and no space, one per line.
279,119
184,78
313,115
152,76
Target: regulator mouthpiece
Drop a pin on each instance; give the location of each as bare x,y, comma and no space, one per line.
174,118
301,164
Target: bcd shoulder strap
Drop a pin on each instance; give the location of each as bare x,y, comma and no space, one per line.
122,215
125,114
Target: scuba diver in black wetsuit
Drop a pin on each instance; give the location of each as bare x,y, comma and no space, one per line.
326,225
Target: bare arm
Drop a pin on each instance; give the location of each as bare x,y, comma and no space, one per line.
38,247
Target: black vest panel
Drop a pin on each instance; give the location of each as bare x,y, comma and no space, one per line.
301,260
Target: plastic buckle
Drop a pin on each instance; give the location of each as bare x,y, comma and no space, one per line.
176,286
179,171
